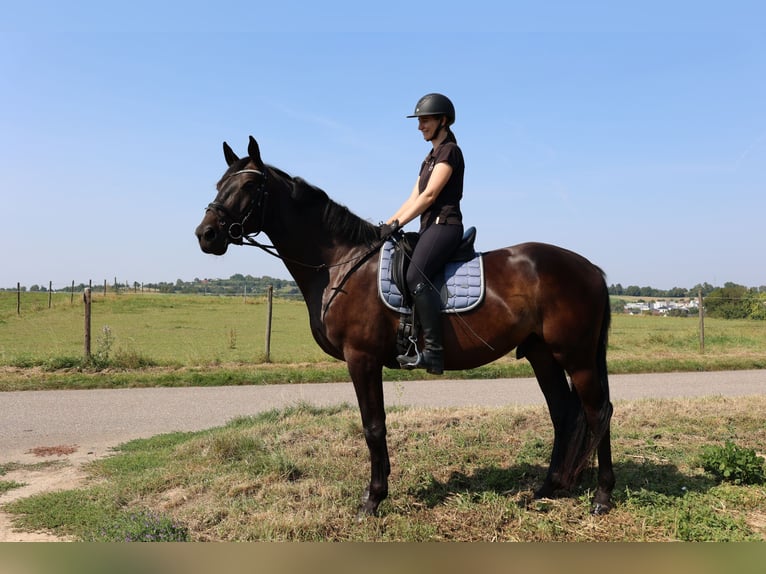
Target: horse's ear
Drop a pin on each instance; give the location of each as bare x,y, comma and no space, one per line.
254,152
229,154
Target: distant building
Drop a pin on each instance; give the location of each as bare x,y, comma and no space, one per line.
661,306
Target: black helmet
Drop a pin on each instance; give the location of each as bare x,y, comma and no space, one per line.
435,105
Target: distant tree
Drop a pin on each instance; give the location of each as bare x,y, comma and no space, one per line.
617,305
616,289
706,289
677,292
728,302
758,306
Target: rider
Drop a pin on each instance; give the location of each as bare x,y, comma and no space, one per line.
436,199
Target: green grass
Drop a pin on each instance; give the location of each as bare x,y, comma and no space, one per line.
457,474
171,330
175,340
6,485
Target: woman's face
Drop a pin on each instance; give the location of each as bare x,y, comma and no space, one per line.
428,126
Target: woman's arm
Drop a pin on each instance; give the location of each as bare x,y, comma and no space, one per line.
417,202
406,206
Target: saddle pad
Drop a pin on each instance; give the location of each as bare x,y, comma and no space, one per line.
461,284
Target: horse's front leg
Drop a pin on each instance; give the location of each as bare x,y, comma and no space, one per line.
367,375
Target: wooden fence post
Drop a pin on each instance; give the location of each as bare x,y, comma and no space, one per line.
50,294
702,321
269,298
86,298
71,295
18,298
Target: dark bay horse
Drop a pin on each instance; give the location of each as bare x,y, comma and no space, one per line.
548,303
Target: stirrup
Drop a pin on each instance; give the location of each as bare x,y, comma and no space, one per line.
408,361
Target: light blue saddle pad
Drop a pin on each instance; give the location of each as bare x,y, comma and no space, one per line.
462,284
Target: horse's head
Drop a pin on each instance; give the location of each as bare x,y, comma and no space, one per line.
238,209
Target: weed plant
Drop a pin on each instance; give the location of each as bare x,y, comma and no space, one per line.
733,463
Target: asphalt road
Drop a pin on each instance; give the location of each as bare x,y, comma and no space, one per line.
96,420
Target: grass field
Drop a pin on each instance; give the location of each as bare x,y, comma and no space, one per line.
457,475
167,339
169,330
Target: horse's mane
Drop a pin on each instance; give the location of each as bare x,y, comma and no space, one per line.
336,218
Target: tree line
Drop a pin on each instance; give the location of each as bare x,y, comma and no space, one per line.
732,301
237,284
676,292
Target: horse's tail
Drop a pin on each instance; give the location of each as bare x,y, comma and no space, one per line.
584,441
603,343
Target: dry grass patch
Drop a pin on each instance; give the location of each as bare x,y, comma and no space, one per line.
464,474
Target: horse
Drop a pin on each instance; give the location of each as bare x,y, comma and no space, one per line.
548,303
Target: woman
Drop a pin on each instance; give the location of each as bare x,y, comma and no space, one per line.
435,198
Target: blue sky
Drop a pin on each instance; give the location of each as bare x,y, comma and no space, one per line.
632,133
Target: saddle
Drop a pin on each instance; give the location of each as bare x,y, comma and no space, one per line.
461,284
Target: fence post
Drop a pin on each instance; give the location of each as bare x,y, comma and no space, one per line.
86,298
50,293
702,321
71,295
269,298
18,298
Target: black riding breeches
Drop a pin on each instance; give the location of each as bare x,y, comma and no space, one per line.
435,246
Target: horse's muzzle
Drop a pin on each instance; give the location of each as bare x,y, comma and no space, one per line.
211,240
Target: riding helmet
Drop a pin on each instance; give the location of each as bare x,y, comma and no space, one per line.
435,105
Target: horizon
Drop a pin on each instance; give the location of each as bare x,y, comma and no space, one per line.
130,285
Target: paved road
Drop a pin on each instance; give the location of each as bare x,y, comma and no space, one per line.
96,420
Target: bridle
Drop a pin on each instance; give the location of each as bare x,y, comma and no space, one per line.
258,200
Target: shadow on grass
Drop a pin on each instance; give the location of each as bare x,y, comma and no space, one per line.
632,477
505,481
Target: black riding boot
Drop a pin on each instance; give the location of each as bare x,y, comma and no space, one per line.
427,305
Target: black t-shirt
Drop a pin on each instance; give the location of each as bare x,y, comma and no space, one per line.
446,208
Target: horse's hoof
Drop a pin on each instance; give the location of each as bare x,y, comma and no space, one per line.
368,508
361,515
365,511
598,509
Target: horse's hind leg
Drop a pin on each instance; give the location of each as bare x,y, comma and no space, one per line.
598,413
563,406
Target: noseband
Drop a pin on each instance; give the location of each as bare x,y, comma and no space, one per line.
236,229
